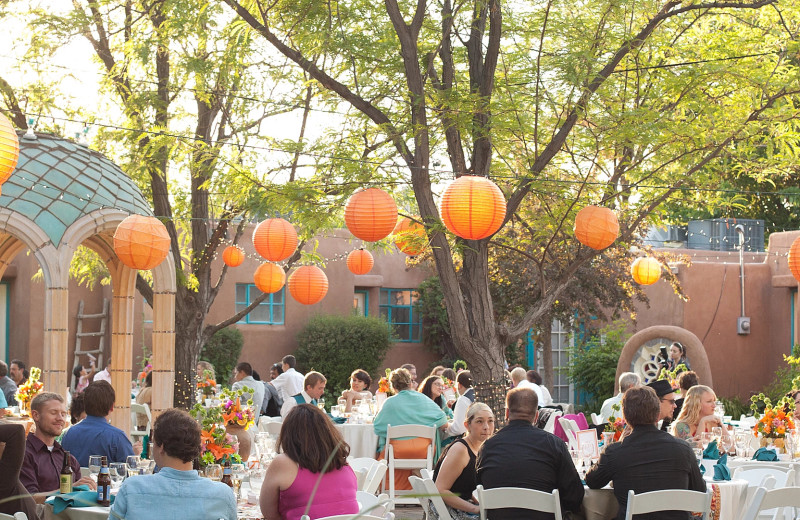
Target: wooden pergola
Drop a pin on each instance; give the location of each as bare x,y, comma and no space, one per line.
63,195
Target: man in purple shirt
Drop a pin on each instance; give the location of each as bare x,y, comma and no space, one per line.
44,456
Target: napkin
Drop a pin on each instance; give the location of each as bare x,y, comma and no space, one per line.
764,454
721,471
76,499
702,469
711,451
338,420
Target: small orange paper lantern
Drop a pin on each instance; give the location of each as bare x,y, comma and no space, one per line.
473,207
410,237
275,239
360,261
233,256
308,284
9,149
794,259
269,278
596,227
141,242
646,270
370,214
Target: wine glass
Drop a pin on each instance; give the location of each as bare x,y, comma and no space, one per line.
727,443
342,403
146,466
238,472
214,472
117,471
716,433
705,439
741,443
321,404
132,462
95,461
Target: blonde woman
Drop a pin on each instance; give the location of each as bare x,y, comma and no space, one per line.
454,474
697,415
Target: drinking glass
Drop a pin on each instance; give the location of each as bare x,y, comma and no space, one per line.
698,454
321,404
118,471
214,472
342,403
95,461
705,439
728,443
238,472
132,462
741,443
608,438
146,466
716,432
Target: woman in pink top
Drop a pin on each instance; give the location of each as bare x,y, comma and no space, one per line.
312,450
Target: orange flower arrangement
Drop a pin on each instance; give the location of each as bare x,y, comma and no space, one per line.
234,414
776,420
616,424
207,387
29,389
383,384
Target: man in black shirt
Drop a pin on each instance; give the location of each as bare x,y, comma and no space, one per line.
521,455
648,459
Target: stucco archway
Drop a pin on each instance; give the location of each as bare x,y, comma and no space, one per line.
669,333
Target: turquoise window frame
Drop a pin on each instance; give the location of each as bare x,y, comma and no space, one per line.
251,293
792,303
366,299
389,311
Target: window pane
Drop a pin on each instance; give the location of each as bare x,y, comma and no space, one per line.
401,298
240,307
254,293
241,293
278,297
384,313
260,314
416,332
401,315
384,297
277,314
403,332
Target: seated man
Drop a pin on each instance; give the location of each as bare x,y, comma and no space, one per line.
626,380
314,387
94,435
13,497
243,378
7,385
522,455
44,456
290,381
176,491
648,459
666,396
520,379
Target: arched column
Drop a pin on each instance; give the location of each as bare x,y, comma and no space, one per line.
695,351
164,287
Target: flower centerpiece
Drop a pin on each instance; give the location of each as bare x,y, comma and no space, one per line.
217,442
671,376
28,390
384,387
207,384
775,421
616,423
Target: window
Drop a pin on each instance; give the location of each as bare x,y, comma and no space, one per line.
270,311
361,302
397,308
562,390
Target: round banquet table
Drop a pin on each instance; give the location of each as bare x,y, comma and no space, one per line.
727,503
361,438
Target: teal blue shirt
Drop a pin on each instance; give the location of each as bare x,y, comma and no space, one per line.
172,494
407,407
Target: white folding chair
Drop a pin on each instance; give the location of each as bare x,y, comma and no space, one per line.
143,409
784,476
550,425
373,505
375,476
571,430
271,427
426,473
357,516
669,500
407,430
429,496
597,419
16,516
523,498
776,499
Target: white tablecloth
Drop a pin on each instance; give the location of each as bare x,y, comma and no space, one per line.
361,438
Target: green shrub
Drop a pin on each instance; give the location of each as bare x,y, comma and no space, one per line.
337,345
734,406
223,351
593,365
784,378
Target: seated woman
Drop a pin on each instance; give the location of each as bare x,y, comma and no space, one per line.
313,460
359,388
205,370
454,474
407,406
433,387
145,396
697,415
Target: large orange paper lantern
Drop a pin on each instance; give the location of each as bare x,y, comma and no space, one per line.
141,242
370,214
269,278
233,256
794,259
596,227
308,284
473,207
9,148
410,237
275,239
646,270
360,261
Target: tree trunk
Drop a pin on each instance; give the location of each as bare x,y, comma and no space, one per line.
188,342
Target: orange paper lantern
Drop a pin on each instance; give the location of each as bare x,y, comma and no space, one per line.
141,242
646,270
794,259
596,227
275,239
370,214
473,207
410,237
360,261
308,284
269,278
9,149
233,256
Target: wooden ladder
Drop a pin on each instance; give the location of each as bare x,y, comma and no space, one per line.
80,334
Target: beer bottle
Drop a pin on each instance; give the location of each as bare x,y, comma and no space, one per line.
65,478
104,484
226,473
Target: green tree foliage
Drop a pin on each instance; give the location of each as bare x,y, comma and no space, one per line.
337,345
435,327
593,364
223,350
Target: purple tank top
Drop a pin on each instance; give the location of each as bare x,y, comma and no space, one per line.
336,494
